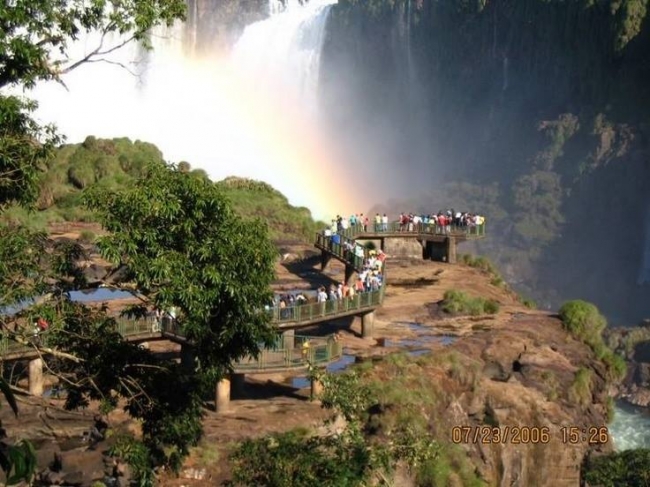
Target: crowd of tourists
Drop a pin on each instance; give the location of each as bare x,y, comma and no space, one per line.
440,222
370,278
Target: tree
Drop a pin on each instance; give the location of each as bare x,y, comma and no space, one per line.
183,246
35,45
37,34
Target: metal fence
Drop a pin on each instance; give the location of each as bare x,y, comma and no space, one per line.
317,351
419,228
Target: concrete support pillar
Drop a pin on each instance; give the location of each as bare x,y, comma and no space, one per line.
316,389
187,357
222,395
289,339
367,324
237,384
349,274
325,258
426,250
451,250
36,377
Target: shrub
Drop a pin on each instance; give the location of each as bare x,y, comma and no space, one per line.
580,390
491,307
616,366
81,173
458,302
629,468
87,236
583,320
528,303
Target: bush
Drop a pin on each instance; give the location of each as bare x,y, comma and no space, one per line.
583,320
458,302
87,236
629,468
580,390
528,303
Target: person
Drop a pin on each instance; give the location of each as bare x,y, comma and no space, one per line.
305,350
42,324
156,325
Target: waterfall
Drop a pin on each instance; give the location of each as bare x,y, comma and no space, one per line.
284,50
251,112
644,271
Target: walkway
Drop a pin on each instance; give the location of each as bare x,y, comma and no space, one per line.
289,355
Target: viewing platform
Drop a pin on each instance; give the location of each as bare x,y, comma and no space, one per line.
289,353
434,242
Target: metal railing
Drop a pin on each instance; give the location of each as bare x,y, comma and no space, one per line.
469,231
320,351
311,311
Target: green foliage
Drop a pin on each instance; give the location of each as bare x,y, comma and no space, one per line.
350,458
624,340
36,35
18,461
630,468
136,455
185,247
528,303
296,459
286,222
629,15
580,390
87,236
24,148
538,199
583,321
346,394
458,302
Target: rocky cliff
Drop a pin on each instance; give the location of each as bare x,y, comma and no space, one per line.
518,370
634,344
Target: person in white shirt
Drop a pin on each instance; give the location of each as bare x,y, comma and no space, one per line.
322,295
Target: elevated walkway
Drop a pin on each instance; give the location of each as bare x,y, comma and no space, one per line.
288,354
437,243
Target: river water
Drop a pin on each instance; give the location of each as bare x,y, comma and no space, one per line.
630,427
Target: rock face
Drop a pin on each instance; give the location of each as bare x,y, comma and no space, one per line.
518,371
634,344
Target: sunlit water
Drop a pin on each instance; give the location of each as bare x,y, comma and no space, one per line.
630,428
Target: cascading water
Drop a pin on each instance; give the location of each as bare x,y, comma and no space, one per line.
285,49
251,112
630,428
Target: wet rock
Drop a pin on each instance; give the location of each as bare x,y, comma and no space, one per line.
95,273
638,396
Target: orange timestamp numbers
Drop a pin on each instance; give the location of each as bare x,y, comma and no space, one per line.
527,435
506,434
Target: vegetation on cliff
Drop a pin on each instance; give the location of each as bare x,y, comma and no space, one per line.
112,164
584,321
629,468
384,428
457,302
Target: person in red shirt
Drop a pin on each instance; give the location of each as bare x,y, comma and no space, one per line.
42,324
